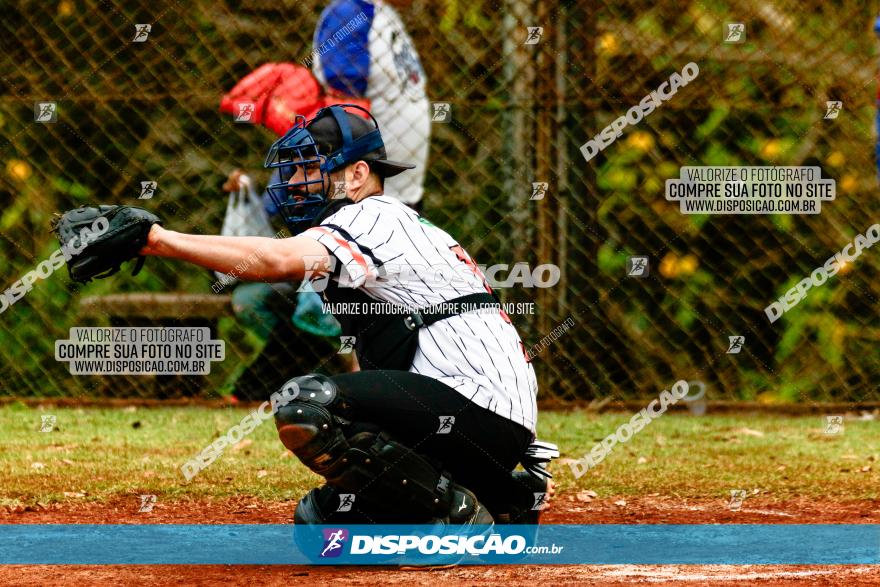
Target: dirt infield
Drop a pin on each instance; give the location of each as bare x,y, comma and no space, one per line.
570,509
616,575
566,509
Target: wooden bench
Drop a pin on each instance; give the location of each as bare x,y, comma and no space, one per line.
157,309
157,306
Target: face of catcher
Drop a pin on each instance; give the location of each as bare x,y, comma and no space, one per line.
309,172
356,178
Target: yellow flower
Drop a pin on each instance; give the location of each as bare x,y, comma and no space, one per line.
640,141
669,265
771,149
65,8
18,169
835,159
848,183
688,264
608,44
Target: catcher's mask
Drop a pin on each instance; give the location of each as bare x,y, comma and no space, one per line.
331,140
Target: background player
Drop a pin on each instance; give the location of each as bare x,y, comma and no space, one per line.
378,61
277,314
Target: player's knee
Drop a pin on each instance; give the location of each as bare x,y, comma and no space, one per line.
316,395
309,425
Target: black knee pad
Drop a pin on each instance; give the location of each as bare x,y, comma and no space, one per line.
316,389
311,424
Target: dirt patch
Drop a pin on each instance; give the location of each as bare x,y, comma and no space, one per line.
566,509
238,510
224,575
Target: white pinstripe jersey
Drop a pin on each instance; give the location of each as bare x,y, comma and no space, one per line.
383,247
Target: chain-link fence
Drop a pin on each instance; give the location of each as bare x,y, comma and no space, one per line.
527,83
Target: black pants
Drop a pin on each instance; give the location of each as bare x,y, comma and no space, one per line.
480,448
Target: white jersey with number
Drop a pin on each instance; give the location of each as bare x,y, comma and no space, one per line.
384,249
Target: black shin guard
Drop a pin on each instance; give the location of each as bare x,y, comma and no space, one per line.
328,505
383,476
390,477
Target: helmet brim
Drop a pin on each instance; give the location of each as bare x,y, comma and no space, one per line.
387,168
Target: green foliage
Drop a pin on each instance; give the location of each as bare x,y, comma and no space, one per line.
131,112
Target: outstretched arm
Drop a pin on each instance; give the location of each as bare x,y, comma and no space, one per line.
252,258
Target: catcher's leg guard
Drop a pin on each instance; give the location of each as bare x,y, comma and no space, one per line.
311,424
326,505
322,505
381,473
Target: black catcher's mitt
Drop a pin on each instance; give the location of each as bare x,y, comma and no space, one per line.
96,241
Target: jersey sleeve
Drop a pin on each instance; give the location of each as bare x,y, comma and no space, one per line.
354,237
342,47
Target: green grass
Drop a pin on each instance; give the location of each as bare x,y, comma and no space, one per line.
111,453
685,456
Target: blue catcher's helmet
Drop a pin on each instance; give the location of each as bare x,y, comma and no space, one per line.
333,139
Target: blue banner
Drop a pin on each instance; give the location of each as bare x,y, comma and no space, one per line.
255,544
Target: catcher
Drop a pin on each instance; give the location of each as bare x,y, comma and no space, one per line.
443,410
